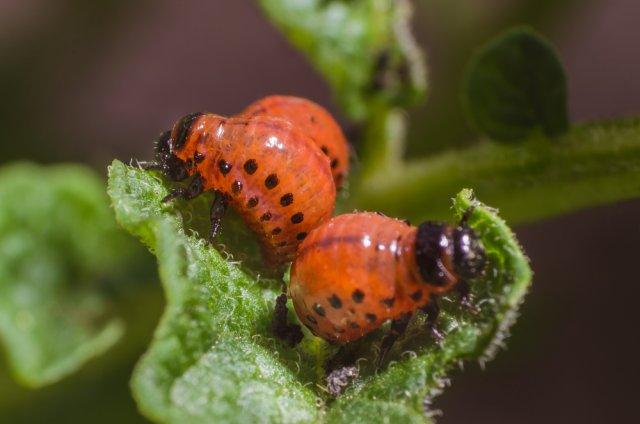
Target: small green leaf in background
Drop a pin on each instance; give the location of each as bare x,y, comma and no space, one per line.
363,48
516,87
214,358
59,250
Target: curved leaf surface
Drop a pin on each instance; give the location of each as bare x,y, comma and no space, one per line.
214,359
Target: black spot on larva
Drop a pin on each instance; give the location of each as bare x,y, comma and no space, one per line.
388,302
301,236
163,145
335,302
312,119
312,320
236,187
198,157
282,243
265,216
324,150
271,181
357,296
354,325
416,296
338,329
334,163
318,309
276,231
371,317
287,199
189,163
250,166
297,218
224,166
252,202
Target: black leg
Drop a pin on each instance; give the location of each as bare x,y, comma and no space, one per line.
432,309
464,292
179,192
465,216
151,166
291,334
279,314
195,188
397,328
218,208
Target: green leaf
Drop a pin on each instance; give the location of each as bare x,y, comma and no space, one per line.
363,48
592,165
214,358
516,87
60,250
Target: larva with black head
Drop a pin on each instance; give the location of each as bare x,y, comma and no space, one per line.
266,168
359,270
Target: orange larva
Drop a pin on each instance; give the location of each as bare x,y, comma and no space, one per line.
359,270
315,121
266,168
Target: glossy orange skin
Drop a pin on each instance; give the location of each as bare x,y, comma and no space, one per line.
277,148
367,262
313,119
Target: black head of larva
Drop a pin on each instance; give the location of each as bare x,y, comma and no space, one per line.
435,240
431,239
172,141
166,161
163,145
469,258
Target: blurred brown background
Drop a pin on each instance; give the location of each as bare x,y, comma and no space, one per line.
90,81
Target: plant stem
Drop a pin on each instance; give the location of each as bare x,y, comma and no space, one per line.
593,164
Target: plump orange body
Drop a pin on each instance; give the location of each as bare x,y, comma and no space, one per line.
357,271
315,121
271,172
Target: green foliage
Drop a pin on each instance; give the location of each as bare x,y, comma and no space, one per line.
60,252
214,358
363,48
516,87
